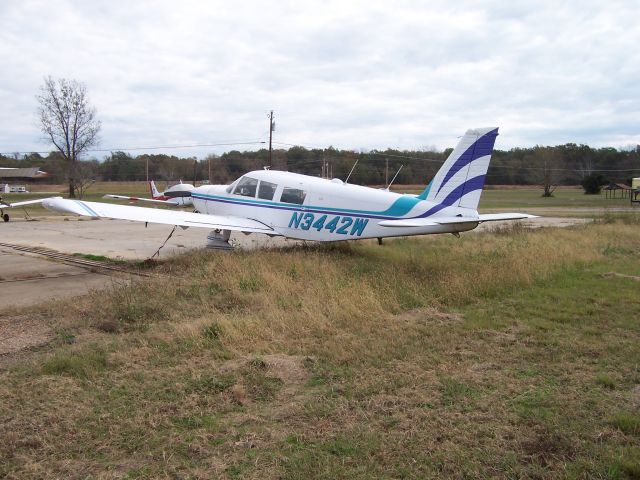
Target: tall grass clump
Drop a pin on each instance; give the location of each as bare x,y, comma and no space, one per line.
79,364
266,297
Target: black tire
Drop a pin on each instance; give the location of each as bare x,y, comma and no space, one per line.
5,217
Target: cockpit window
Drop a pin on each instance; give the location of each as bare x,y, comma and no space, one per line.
266,190
246,187
230,188
293,195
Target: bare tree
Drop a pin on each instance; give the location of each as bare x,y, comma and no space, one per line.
547,160
68,121
84,176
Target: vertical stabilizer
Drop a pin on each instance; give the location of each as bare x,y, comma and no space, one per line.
154,190
460,180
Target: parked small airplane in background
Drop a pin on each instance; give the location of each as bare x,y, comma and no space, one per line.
178,195
310,208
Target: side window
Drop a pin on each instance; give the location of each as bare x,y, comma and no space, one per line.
293,195
246,187
266,190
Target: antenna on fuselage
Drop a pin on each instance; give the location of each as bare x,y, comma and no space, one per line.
394,178
352,169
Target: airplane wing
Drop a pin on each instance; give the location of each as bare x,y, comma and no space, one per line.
21,204
135,199
430,222
153,215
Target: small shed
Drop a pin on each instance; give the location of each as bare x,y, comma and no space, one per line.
634,195
611,190
28,173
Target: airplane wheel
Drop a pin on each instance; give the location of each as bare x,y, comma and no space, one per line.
5,217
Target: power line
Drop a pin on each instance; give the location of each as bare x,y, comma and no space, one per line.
159,147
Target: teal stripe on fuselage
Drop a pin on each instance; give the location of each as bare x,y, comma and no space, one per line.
399,208
425,192
402,206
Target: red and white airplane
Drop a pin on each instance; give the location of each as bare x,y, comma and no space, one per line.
178,195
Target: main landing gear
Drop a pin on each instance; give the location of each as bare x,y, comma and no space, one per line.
219,240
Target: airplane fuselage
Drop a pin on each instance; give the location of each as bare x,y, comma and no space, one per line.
311,208
179,195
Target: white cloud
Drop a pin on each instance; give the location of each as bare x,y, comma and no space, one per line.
349,74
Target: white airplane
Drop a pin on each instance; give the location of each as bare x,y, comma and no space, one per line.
179,195
310,208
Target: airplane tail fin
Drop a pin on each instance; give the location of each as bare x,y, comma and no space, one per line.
460,180
153,189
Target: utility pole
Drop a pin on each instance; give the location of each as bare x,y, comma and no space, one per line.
147,169
386,172
195,171
209,177
271,129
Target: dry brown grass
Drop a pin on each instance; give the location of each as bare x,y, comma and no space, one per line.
485,356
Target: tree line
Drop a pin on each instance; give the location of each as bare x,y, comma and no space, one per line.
565,164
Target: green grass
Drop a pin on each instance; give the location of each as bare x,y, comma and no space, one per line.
510,355
627,422
82,364
566,197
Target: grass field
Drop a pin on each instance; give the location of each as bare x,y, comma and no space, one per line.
566,201
508,354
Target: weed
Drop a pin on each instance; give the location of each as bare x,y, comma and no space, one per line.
212,331
65,337
627,422
258,384
249,284
606,381
454,392
76,364
210,384
99,258
135,306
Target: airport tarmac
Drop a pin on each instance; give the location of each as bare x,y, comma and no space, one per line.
27,279
118,238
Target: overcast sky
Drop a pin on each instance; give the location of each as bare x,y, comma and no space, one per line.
352,74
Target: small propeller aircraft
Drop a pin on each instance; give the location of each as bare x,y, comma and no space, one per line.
310,208
179,195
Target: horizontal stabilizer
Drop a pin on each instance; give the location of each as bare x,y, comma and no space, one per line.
433,221
408,222
494,217
426,222
154,215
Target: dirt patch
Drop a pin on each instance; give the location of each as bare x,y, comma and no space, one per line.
289,369
21,332
429,315
621,275
635,396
